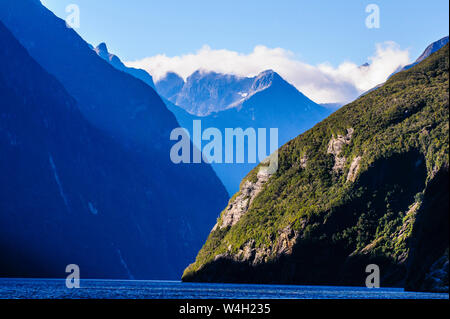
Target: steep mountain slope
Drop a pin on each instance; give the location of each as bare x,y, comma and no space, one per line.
68,193
178,198
369,184
331,106
114,101
433,47
102,51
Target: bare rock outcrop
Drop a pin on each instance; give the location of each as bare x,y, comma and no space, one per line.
354,168
240,205
303,161
335,147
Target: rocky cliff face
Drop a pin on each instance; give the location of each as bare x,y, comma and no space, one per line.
367,185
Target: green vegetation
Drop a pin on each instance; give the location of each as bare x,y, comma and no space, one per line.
395,127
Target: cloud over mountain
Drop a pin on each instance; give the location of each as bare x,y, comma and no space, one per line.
323,83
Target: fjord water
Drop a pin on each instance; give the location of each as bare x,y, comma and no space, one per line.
142,289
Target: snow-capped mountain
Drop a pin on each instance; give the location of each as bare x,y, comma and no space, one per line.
206,92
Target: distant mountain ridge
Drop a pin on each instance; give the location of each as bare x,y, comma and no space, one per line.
207,92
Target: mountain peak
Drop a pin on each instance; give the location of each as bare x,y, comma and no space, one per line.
269,75
266,79
102,47
199,74
202,74
169,85
267,72
102,51
171,75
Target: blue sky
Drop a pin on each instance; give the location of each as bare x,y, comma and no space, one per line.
316,31
313,32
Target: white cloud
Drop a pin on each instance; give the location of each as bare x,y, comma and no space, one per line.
322,83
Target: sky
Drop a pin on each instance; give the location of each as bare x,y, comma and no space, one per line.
316,45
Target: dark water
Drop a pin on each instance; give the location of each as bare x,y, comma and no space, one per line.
56,288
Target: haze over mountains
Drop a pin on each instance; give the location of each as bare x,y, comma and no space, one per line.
226,101
100,186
